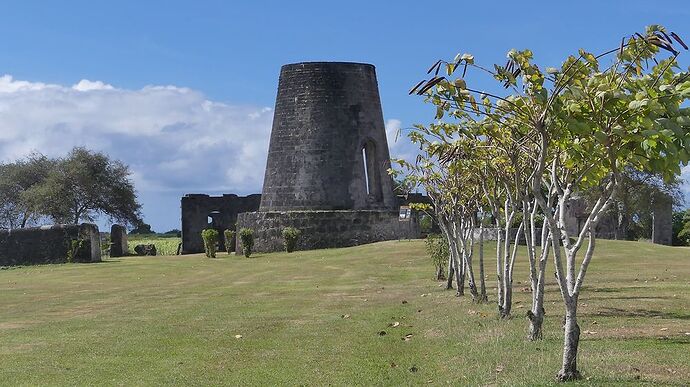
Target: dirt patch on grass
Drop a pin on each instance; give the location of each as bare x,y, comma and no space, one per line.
434,333
23,347
14,324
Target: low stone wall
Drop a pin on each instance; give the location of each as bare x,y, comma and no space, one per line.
326,229
49,244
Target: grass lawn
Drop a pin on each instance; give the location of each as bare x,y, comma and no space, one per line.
174,320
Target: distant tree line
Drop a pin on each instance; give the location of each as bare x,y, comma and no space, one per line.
80,187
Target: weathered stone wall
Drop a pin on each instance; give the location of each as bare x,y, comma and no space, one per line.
118,241
326,114
49,244
612,226
325,229
662,221
197,208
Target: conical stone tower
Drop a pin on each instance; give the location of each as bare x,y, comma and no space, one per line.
328,158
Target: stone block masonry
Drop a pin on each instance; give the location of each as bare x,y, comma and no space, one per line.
328,148
219,212
326,229
118,241
50,244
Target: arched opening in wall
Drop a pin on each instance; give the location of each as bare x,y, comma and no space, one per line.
213,219
372,180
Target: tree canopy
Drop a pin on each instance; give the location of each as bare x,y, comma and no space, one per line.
81,186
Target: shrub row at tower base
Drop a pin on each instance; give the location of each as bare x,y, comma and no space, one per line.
326,229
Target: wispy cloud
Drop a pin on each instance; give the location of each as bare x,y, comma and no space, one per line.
393,133
173,138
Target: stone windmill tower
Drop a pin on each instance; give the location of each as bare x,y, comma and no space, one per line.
328,158
328,148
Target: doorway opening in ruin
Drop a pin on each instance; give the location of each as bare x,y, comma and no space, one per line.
214,219
372,180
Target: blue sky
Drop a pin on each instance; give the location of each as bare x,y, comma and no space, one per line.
182,91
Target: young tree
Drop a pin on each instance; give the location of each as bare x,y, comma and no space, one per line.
583,130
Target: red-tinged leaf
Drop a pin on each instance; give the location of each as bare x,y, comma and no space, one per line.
666,37
679,40
660,44
416,86
438,62
432,82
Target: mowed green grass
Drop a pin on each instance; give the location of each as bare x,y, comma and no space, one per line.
173,320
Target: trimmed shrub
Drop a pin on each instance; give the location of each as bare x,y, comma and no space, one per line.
290,237
210,237
437,248
229,240
247,240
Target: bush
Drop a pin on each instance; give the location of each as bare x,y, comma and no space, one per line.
247,240
426,223
290,237
437,248
229,240
681,228
210,237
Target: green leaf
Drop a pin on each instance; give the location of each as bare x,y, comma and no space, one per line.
601,137
634,105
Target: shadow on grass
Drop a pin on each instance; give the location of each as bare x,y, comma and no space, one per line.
611,290
627,298
617,312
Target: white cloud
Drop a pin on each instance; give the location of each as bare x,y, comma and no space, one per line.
393,133
86,85
173,139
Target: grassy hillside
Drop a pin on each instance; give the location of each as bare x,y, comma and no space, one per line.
314,318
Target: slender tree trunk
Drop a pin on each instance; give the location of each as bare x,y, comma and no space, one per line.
537,272
570,343
536,315
499,265
466,240
458,261
509,265
451,262
483,298
451,272
440,276
459,273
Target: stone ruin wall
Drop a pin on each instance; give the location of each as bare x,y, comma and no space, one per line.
118,241
326,229
223,211
49,244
